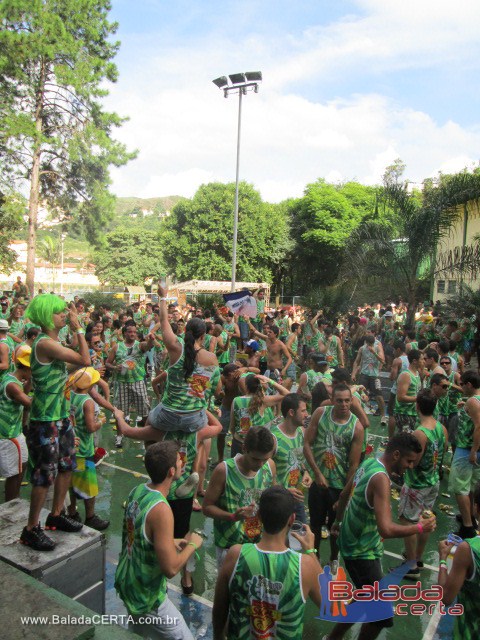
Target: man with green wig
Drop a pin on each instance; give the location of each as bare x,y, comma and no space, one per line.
50,436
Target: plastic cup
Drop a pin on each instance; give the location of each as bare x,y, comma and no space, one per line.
299,528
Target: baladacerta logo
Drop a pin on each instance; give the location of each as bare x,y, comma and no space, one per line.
343,602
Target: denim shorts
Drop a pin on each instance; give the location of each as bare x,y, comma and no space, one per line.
225,421
165,419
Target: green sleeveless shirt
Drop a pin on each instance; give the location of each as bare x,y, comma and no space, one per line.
86,448
138,579
359,537
243,419
11,350
240,491
426,473
465,428
331,448
409,408
189,395
132,360
10,411
289,457
268,601
467,626
49,400
187,443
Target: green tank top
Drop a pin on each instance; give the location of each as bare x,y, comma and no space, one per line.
289,457
467,626
409,408
187,448
10,411
370,363
268,598
359,537
244,420
465,428
454,396
11,350
223,356
132,361
240,491
426,473
138,579
332,445
159,338
189,395
86,448
49,400
333,349
16,326
312,378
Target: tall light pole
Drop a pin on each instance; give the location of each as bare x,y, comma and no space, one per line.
241,83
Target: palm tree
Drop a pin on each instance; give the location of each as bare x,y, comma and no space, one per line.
49,250
399,255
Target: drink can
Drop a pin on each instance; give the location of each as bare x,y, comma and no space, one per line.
427,514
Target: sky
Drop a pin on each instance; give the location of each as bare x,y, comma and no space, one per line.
348,87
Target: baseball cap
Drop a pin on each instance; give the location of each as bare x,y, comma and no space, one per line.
22,354
84,378
252,344
4,324
388,314
319,358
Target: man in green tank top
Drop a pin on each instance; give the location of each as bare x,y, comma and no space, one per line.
370,359
50,438
465,469
150,554
235,488
463,580
262,588
127,361
333,446
7,347
364,518
289,457
421,486
408,386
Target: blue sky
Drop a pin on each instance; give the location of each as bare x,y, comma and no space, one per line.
348,87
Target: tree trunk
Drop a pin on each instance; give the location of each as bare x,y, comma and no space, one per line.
35,183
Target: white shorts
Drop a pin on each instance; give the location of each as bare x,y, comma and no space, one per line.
414,501
13,453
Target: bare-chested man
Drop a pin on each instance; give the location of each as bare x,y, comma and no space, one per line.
277,351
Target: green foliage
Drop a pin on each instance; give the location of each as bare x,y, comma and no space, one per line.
49,248
321,224
332,300
129,257
197,236
12,208
55,137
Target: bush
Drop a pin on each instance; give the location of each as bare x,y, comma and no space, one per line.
98,298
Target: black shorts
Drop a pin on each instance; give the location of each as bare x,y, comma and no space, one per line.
391,403
372,384
320,505
366,572
182,510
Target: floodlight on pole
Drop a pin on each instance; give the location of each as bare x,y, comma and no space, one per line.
241,83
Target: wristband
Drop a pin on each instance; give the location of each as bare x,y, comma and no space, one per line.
310,551
80,331
420,527
192,544
442,563
162,299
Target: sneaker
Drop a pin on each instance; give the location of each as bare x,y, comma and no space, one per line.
458,518
138,419
186,487
75,516
95,522
118,441
334,567
412,574
384,420
419,562
37,539
62,522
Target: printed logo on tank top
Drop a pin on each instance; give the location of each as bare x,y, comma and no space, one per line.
131,517
264,596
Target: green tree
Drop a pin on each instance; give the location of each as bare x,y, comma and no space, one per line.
321,224
400,258
12,207
56,56
197,236
49,249
129,257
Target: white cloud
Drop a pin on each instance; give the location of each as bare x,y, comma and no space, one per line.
186,131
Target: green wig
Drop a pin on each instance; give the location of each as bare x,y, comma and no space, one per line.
41,309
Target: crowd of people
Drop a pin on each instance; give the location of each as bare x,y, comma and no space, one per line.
288,396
